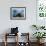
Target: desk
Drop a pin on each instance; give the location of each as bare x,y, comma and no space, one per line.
17,43
8,34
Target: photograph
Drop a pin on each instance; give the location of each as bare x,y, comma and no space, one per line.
17,13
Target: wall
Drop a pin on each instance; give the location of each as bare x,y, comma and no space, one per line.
24,25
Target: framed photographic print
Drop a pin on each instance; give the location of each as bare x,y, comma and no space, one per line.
17,13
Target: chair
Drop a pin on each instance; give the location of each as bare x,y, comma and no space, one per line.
7,35
14,32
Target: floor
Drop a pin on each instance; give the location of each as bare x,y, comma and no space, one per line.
13,44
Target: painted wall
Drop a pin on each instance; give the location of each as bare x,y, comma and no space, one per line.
24,25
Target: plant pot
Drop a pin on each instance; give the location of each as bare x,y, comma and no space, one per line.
40,41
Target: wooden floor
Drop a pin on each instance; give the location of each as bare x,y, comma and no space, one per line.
13,44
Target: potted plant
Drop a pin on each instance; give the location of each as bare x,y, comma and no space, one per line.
35,26
39,35
38,27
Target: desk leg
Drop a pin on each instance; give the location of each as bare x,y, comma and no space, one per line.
17,40
5,43
5,40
